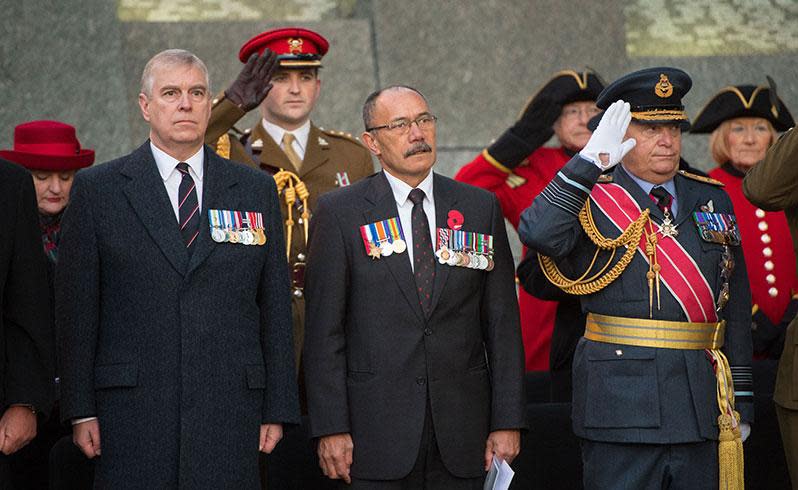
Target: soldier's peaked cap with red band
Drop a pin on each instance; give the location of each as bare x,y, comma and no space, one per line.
295,47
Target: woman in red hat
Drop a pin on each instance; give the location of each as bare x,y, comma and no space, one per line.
52,153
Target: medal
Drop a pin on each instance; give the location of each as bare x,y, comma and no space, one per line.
399,246
374,251
668,229
490,265
218,235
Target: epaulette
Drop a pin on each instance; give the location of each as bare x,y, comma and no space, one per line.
342,135
701,178
605,179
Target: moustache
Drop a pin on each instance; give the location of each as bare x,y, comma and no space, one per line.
420,147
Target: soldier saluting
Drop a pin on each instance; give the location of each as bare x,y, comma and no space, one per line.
662,381
281,78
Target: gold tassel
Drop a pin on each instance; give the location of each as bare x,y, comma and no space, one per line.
730,454
731,467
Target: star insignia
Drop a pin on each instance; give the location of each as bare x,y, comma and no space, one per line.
323,142
375,253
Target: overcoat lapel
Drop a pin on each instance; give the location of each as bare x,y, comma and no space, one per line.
216,184
147,195
384,206
445,199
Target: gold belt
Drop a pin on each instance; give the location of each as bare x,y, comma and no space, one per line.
654,333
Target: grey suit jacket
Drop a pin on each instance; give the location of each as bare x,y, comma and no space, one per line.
373,360
641,394
181,357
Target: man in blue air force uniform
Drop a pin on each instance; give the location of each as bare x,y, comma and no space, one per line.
654,254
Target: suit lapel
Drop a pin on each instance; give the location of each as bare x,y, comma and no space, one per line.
444,201
380,196
315,154
216,181
147,195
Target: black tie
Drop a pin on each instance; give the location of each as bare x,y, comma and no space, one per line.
188,206
662,197
423,255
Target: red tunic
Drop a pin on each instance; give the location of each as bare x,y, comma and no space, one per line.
767,247
537,316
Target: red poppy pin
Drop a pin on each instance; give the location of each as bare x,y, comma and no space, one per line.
455,220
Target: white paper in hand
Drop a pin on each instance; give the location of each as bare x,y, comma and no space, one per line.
499,476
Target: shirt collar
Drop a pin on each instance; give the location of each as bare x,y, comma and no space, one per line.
401,190
301,134
168,164
669,186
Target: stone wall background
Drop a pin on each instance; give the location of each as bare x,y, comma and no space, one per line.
477,61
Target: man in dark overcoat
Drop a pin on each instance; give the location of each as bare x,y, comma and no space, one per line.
26,337
173,303
414,361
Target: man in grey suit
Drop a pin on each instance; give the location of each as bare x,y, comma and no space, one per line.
172,303
654,254
414,360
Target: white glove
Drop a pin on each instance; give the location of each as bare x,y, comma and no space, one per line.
745,430
606,146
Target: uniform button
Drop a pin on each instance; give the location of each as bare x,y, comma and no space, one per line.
300,257
765,238
769,265
420,380
759,213
618,352
298,293
427,331
767,252
773,292
763,226
770,278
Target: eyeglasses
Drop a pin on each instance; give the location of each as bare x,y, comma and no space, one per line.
425,122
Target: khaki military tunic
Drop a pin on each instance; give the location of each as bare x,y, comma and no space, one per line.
332,159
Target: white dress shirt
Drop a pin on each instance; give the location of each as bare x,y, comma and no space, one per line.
301,135
401,193
167,167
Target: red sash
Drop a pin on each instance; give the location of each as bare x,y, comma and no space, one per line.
680,274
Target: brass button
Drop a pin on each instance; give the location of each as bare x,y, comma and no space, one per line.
763,226
767,252
770,278
765,238
773,292
759,213
769,265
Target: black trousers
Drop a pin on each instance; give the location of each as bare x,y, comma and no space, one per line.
428,473
692,466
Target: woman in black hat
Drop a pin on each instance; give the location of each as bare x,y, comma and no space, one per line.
743,121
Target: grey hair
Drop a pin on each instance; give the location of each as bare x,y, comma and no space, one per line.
371,101
171,57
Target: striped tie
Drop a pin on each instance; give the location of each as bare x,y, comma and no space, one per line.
188,206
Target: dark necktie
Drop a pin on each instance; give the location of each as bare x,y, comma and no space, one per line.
662,197
423,255
188,206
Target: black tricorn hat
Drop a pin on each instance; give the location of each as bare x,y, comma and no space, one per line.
743,101
568,86
654,94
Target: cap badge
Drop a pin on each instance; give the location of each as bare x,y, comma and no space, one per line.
663,88
295,45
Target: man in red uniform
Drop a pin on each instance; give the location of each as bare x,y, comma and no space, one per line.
516,167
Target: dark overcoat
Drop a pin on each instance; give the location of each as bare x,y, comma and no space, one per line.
181,356
26,335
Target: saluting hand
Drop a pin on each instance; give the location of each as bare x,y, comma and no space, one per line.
254,82
606,147
86,436
335,456
504,444
17,428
